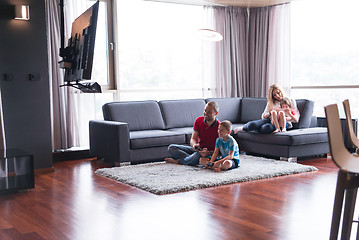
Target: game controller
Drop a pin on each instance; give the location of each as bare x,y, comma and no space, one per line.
210,164
198,148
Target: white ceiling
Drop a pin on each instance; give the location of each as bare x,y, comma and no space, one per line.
237,3
249,3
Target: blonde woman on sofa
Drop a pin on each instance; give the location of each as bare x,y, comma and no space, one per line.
264,125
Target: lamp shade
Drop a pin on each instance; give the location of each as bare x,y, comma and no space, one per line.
22,12
210,35
19,12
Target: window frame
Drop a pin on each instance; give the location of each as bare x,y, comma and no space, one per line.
111,86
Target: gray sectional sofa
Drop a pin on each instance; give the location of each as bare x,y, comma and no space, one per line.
141,131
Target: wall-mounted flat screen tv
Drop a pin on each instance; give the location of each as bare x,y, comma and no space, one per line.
80,50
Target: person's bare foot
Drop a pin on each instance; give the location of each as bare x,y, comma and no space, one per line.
171,160
217,169
284,130
277,130
237,129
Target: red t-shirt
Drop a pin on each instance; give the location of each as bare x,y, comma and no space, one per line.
207,135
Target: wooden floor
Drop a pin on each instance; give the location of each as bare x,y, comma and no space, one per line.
74,203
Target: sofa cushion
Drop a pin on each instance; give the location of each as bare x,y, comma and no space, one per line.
181,113
289,138
155,138
187,131
252,109
305,108
141,115
229,108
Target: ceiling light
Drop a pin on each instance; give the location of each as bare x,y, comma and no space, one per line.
210,35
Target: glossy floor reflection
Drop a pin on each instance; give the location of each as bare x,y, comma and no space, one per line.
74,203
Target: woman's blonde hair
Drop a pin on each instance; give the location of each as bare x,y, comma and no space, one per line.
270,98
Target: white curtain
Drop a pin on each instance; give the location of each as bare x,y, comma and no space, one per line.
258,52
255,51
58,121
279,67
229,69
71,109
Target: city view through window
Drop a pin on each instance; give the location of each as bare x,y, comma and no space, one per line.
325,53
159,54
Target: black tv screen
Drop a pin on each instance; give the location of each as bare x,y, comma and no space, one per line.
81,45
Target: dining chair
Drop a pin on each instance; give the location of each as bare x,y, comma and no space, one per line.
352,136
348,175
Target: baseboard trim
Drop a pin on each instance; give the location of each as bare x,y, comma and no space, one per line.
74,153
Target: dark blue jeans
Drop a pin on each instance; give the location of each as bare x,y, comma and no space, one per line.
185,155
261,126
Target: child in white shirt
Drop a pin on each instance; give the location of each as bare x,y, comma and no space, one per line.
283,117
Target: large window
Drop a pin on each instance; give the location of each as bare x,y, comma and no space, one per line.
103,56
143,50
158,53
325,53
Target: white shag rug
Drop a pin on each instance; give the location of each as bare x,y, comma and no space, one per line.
163,178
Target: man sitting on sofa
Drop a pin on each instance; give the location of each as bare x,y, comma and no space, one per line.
203,140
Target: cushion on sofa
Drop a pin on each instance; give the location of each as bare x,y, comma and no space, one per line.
229,108
252,109
289,138
181,113
187,131
155,138
305,108
141,115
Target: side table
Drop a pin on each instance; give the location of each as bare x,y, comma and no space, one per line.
16,170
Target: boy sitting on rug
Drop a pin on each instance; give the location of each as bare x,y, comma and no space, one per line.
226,152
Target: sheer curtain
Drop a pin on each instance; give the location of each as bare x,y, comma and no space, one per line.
279,67
255,51
258,51
68,104
230,68
269,44
58,121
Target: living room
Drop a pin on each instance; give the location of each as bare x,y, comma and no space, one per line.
29,124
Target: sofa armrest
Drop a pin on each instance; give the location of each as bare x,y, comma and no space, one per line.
314,122
321,122
110,140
